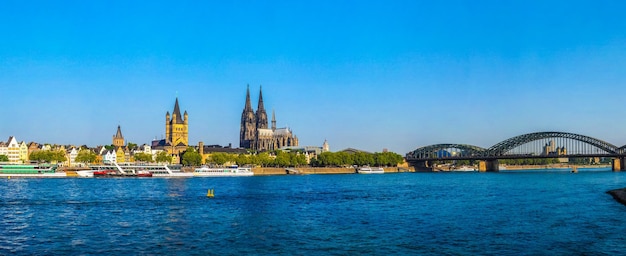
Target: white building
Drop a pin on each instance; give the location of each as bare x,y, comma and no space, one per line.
73,153
109,157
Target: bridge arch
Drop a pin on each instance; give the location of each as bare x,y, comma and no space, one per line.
435,151
505,146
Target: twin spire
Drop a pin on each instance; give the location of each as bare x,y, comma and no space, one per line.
260,106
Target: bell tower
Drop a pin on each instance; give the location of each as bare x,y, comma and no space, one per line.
118,139
177,127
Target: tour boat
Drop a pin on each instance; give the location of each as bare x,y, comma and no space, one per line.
370,170
134,170
24,170
465,168
231,171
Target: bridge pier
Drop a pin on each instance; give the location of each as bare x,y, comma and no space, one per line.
618,164
422,166
489,165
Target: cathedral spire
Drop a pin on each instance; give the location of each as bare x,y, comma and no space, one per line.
261,107
248,106
261,115
273,120
179,118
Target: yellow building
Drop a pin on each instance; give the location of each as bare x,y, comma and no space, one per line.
24,152
120,155
176,134
177,127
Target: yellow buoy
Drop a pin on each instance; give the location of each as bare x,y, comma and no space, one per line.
210,193
9,177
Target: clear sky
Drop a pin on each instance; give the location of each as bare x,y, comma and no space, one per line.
361,74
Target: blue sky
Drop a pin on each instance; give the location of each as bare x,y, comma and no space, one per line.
362,74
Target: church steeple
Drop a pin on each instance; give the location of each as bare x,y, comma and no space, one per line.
118,139
176,114
119,132
261,115
248,106
261,107
273,120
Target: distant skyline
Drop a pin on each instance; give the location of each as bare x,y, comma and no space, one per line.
366,75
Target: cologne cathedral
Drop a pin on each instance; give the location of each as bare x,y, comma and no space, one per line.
255,133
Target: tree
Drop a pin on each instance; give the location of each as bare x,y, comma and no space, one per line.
243,159
163,157
263,159
219,158
282,159
297,159
131,145
86,156
144,157
191,157
4,158
387,159
48,156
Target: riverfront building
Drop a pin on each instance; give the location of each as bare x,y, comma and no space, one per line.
16,152
255,133
176,134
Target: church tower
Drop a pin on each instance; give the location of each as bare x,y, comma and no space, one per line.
261,115
247,133
118,139
177,127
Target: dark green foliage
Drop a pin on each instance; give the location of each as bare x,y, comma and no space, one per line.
85,156
48,156
191,157
143,157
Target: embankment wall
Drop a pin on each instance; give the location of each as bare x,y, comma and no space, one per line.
318,170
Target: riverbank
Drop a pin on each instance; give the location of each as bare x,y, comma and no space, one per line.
318,170
549,166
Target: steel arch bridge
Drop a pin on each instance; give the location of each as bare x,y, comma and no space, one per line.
503,147
531,145
434,151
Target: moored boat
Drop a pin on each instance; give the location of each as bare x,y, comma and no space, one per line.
370,170
26,170
135,170
231,171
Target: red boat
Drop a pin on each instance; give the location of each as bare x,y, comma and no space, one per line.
144,174
104,173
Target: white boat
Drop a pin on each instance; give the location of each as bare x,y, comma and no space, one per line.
85,173
465,168
370,170
231,171
133,170
25,170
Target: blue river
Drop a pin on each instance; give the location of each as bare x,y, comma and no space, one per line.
511,213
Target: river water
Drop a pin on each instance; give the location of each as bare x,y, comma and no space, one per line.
539,212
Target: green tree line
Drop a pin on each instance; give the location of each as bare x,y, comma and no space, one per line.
48,156
359,158
529,161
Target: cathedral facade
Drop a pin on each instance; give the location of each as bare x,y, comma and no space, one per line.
255,133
